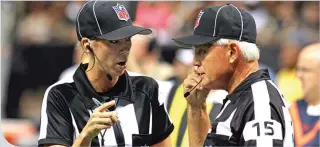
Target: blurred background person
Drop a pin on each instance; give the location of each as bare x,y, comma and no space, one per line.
146,56
293,41
39,37
78,56
306,111
182,65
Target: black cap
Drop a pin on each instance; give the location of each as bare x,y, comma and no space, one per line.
217,22
108,20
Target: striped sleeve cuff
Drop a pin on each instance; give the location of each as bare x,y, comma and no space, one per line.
54,141
163,136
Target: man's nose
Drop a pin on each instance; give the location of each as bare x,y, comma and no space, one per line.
198,68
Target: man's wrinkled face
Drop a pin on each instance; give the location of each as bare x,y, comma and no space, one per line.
212,63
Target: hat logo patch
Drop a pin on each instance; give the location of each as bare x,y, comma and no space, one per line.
196,24
121,12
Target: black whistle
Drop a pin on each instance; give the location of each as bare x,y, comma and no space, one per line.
188,93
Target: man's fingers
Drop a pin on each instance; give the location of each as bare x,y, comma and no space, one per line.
191,82
195,81
105,106
195,77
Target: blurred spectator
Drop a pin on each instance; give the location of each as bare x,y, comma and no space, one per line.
72,9
181,22
44,23
306,112
287,82
42,28
35,27
182,64
138,49
310,16
146,53
78,56
155,15
270,70
147,11
9,13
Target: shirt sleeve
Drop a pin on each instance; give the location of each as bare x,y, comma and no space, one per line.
162,126
56,123
262,132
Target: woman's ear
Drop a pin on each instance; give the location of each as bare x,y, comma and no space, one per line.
234,53
84,43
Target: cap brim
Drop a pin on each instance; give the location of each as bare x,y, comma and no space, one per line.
125,32
193,40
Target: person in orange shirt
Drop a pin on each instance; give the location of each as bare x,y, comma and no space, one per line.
306,112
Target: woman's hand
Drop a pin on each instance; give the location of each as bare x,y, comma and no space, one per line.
99,120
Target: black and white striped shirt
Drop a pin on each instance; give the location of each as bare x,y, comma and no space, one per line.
255,114
67,106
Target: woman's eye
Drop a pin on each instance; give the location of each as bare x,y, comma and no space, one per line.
117,41
128,39
114,41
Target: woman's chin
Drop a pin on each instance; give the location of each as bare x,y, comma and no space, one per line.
120,72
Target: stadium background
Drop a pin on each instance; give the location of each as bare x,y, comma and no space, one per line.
38,39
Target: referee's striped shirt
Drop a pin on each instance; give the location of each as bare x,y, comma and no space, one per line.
67,106
254,114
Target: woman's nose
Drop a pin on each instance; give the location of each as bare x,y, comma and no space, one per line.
125,45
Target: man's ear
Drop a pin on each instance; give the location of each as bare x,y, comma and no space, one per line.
234,53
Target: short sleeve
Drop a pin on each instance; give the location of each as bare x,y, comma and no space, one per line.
162,126
56,122
257,132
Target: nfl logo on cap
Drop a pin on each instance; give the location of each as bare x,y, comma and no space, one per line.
198,19
121,12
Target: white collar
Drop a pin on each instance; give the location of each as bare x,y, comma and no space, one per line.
313,110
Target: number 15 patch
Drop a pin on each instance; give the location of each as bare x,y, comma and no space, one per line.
268,129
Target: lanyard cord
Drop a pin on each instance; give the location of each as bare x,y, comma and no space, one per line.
102,135
118,133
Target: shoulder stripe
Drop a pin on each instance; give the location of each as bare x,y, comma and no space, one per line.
224,128
44,116
261,101
75,127
283,100
262,110
227,103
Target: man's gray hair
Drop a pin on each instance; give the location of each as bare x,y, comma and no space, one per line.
250,51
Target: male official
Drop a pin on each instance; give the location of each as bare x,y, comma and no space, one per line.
254,112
